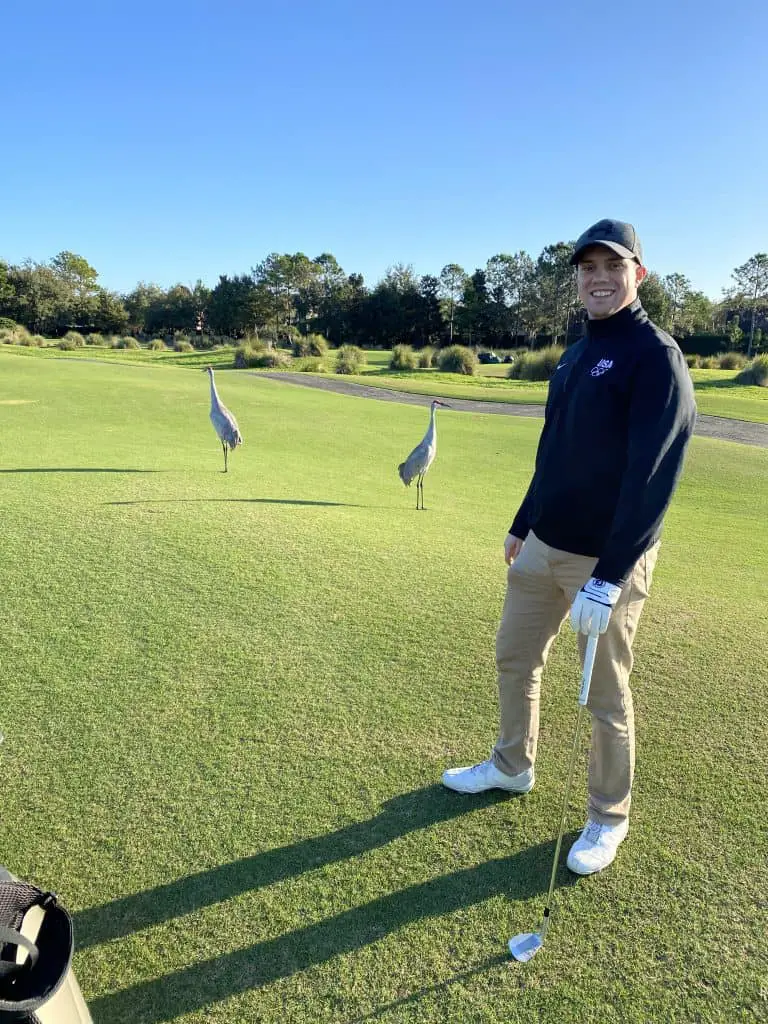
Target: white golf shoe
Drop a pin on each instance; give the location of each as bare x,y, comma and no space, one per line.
477,778
596,847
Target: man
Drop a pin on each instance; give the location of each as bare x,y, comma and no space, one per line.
620,412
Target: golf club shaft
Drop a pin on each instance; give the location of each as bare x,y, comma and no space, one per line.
586,679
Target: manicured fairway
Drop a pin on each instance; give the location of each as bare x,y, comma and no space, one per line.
717,394
229,699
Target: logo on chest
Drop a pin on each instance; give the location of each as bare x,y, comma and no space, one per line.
602,367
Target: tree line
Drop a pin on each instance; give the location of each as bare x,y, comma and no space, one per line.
514,300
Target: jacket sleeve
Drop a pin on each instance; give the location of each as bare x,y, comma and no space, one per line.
521,524
661,420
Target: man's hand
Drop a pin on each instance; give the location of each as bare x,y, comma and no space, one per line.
512,548
593,605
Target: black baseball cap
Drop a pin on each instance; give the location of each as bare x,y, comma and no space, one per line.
615,234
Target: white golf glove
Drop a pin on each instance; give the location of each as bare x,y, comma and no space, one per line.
593,605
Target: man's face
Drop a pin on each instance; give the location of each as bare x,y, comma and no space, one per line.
606,281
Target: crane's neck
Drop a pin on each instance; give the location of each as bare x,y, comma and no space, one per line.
214,393
432,428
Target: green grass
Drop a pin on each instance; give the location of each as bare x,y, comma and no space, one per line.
716,392
221,357
228,700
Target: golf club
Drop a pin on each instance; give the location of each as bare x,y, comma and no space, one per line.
524,946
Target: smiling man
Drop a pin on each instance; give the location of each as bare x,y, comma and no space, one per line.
619,415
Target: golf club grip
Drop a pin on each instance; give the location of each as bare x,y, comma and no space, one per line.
589,662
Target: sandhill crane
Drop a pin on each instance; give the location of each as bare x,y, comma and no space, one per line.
422,456
224,423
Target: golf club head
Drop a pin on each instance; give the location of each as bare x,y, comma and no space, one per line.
525,946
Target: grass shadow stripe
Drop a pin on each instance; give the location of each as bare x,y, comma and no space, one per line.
517,877
400,816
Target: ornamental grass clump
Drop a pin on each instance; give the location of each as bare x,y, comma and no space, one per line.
458,359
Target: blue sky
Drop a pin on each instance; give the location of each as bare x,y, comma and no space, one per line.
173,141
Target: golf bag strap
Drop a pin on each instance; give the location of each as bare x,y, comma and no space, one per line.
16,899
11,937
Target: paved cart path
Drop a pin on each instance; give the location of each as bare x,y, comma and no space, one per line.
720,427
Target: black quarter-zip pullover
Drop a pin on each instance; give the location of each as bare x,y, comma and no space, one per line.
620,413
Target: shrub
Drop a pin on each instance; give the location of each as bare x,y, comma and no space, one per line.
537,365
96,340
19,336
274,359
183,346
309,345
126,343
311,364
65,344
732,361
157,345
350,359
693,361
427,357
403,358
248,356
28,340
37,340
710,363
756,373
75,337
703,344
458,359
245,356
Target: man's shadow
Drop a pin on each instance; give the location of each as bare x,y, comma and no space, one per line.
518,876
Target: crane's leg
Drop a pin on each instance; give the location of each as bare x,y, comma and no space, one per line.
420,491
224,446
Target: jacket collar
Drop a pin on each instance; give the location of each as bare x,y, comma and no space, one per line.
620,323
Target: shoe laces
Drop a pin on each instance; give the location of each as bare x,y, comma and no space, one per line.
593,831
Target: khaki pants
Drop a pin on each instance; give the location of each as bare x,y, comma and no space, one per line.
542,583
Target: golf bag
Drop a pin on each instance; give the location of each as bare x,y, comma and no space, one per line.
37,985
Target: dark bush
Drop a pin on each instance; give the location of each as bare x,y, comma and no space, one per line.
704,344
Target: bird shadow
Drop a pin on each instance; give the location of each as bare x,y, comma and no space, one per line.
517,877
241,501
79,469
